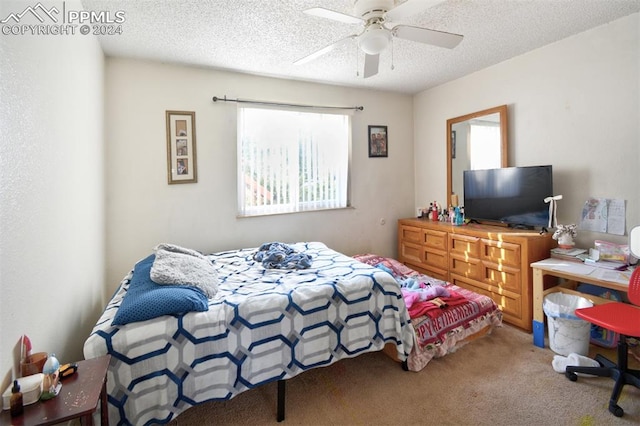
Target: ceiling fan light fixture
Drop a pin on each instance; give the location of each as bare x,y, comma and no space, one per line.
375,39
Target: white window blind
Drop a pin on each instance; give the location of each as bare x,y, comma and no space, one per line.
291,161
485,142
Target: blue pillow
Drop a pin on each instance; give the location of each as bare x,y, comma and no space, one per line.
146,300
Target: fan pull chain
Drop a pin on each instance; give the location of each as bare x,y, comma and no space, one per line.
357,61
392,66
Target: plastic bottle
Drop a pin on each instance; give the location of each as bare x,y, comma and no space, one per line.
459,216
16,400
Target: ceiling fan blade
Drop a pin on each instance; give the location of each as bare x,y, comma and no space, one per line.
332,14
424,35
409,8
371,63
324,50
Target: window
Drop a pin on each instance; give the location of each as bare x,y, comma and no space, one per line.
485,142
291,161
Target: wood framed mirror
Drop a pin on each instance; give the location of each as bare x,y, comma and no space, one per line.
475,141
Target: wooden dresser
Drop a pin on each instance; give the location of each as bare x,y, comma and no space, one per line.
490,260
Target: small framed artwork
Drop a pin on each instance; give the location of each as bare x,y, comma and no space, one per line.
453,144
181,147
378,141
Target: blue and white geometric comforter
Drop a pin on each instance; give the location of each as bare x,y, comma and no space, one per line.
263,325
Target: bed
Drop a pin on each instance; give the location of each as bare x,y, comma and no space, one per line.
262,325
440,331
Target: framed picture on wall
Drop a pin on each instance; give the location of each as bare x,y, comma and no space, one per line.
378,141
181,147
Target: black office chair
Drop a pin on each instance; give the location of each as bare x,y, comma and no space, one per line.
622,318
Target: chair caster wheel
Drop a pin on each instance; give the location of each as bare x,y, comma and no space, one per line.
616,410
571,376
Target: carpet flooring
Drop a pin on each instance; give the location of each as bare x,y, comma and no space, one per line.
499,379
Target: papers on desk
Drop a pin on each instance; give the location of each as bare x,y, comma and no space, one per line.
574,268
568,252
572,254
580,256
620,277
605,264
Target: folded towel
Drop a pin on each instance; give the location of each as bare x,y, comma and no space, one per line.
178,265
560,362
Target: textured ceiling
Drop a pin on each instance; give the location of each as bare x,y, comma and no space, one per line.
265,37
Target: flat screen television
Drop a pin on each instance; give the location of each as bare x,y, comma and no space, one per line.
510,195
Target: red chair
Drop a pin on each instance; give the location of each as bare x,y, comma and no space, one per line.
622,318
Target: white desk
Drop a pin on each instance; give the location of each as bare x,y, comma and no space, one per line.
564,276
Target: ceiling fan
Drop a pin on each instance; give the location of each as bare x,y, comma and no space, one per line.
378,19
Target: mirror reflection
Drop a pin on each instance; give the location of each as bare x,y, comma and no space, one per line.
475,141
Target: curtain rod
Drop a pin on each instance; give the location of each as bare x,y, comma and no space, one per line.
245,101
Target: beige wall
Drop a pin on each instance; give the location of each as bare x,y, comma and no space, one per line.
573,104
143,210
52,256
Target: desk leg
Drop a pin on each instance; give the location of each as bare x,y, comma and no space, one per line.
104,408
538,313
86,420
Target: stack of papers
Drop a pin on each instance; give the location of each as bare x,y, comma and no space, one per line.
606,264
568,252
581,255
573,254
621,277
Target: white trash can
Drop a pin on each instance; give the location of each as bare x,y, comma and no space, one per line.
567,333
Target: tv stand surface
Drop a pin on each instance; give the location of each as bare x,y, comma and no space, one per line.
487,259
521,226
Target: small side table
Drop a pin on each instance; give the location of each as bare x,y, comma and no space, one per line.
78,398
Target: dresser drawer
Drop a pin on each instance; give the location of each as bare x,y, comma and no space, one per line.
436,258
464,245
510,304
511,307
435,239
500,252
411,234
410,252
501,276
467,267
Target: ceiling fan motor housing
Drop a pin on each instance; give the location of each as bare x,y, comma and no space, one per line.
371,9
375,37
